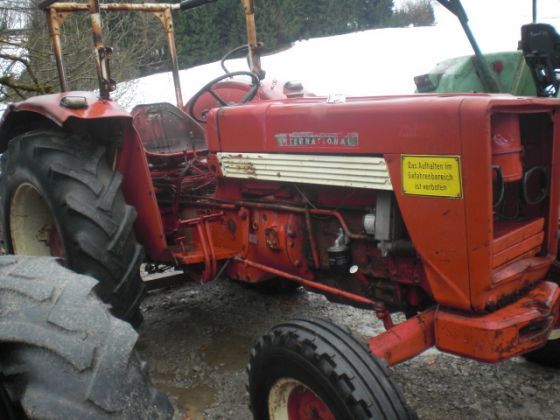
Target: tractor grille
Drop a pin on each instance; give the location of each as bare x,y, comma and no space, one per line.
344,171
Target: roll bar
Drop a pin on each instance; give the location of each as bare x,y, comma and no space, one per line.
57,12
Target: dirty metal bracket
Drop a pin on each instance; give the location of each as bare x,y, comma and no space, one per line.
254,46
202,225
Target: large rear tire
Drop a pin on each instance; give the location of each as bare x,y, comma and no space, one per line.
312,369
61,197
62,355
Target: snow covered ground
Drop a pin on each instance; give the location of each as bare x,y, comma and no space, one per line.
374,62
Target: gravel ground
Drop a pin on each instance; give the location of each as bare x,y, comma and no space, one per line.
197,340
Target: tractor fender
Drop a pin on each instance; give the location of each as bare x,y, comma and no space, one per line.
103,120
48,110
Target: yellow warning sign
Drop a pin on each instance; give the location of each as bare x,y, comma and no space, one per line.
435,176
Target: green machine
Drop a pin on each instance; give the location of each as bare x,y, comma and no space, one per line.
532,70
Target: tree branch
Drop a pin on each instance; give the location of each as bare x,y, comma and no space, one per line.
18,86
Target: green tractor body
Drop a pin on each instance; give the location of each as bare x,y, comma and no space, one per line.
532,70
459,75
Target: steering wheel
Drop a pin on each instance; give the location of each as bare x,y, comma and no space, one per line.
255,83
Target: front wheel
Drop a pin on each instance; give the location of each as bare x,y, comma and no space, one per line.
311,369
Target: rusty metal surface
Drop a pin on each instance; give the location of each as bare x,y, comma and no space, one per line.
54,22
254,45
317,169
166,20
282,207
102,54
57,12
522,326
115,7
163,11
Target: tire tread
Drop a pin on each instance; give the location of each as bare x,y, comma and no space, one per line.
359,377
78,368
83,192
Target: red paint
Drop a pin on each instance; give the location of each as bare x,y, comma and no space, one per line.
513,330
405,340
476,274
311,284
303,404
233,90
55,243
139,192
49,106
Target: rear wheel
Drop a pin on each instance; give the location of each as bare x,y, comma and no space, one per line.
62,355
311,369
60,197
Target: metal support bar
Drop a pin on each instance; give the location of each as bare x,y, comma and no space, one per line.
57,11
489,82
54,29
202,225
45,3
282,207
114,7
102,54
314,252
254,46
377,306
406,340
534,11
166,20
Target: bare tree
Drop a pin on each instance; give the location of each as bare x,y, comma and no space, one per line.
14,60
28,65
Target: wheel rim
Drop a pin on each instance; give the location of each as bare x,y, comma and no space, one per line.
32,226
289,399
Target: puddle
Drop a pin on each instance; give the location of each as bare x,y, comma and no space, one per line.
192,401
227,352
223,354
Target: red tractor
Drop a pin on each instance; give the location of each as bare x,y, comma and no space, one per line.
443,207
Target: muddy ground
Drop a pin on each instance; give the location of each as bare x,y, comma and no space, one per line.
197,341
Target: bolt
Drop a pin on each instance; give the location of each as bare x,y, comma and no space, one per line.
242,213
491,305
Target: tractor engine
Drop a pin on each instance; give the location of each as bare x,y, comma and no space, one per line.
339,236
451,204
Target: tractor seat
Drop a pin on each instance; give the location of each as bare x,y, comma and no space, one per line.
541,47
166,130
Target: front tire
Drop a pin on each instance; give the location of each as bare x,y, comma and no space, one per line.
61,197
310,368
62,355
